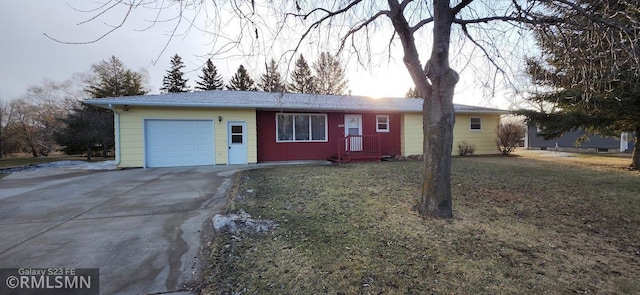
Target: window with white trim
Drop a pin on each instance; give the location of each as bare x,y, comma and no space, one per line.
475,124
301,127
382,123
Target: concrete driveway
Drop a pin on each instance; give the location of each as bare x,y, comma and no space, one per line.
141,227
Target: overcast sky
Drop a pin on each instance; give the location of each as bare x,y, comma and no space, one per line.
28,56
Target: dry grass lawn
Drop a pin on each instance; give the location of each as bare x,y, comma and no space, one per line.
522,225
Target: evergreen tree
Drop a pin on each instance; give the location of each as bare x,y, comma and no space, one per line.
88,126
271,81
241,81
174,81
590,74
110,78
210,80
301,79
329,77
412,93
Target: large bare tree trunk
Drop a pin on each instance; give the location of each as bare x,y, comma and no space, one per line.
438,119
436,84
635,162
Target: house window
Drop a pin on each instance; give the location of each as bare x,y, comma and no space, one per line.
301,127
382,123
475,123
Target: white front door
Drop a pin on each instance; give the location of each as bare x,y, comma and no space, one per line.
237,141
353,126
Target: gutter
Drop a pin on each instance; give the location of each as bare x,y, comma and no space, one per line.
116,127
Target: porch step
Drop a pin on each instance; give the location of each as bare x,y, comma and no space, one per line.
334,159
355,158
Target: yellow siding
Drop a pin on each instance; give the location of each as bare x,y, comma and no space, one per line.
484,140
411,134
132,125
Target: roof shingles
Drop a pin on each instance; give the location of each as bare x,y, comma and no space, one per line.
279,101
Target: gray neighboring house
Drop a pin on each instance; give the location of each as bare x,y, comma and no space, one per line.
567,142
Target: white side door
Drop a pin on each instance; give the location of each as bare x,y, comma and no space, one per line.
353,126
237,141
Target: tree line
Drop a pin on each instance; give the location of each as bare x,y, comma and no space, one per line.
51,116
325,76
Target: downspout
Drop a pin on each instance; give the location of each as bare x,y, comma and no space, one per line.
116,127
526,137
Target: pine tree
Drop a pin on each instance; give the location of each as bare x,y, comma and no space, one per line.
412,93
330,78
241,81
174,81
301,79
86,126
112,79
271,81
210,80
589,74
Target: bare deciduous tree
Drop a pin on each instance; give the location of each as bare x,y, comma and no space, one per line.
6,120
357,24
36,114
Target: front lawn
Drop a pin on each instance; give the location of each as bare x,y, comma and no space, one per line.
522,226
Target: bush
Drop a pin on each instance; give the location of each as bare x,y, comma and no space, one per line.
465,148
509,136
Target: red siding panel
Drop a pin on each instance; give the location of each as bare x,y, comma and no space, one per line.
270,150
389,141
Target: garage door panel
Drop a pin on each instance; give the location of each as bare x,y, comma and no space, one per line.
172,143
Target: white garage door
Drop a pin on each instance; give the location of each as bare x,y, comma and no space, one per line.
173,143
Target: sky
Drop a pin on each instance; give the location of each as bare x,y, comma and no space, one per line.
28,56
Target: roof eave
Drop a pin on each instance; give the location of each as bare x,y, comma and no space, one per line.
105,103
110,103
497,112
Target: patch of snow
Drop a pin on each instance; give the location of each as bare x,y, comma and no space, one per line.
551,153
103,165
241,222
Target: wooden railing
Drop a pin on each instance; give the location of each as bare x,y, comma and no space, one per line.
359,146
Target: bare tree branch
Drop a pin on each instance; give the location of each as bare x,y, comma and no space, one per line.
124,19
484,50
411,56
421,23
329,13
460,6
316,24
363,24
